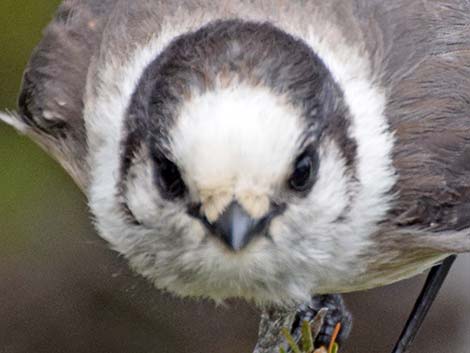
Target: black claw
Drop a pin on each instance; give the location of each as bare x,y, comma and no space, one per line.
337,313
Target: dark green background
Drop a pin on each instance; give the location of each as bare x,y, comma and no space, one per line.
62,290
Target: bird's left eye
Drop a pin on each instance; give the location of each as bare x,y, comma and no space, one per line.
304,174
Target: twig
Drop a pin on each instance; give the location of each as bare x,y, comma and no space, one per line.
274,321
270,336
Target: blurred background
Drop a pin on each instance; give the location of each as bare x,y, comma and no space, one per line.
62,289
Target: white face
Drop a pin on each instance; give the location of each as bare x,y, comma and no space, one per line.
241,144
236,144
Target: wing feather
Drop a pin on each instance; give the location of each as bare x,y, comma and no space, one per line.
421,53
51,97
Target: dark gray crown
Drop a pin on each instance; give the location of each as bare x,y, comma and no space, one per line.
242,52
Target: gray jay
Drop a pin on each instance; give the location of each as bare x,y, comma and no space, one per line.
263,149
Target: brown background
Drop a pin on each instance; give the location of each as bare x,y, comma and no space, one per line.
62,290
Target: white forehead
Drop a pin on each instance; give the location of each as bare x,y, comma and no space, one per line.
237,135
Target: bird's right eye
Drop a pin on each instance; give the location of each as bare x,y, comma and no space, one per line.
168,179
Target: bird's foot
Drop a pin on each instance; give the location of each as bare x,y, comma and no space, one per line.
317,319
330,321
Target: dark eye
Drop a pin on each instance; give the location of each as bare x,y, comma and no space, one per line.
304,174
168,179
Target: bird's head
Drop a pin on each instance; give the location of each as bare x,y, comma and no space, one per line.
237,171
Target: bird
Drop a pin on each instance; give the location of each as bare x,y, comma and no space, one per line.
266,150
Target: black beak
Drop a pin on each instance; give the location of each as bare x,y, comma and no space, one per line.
235,227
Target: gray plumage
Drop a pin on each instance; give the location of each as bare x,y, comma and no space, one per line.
420,51
420,56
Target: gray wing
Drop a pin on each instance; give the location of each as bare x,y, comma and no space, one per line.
421,54
51,97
